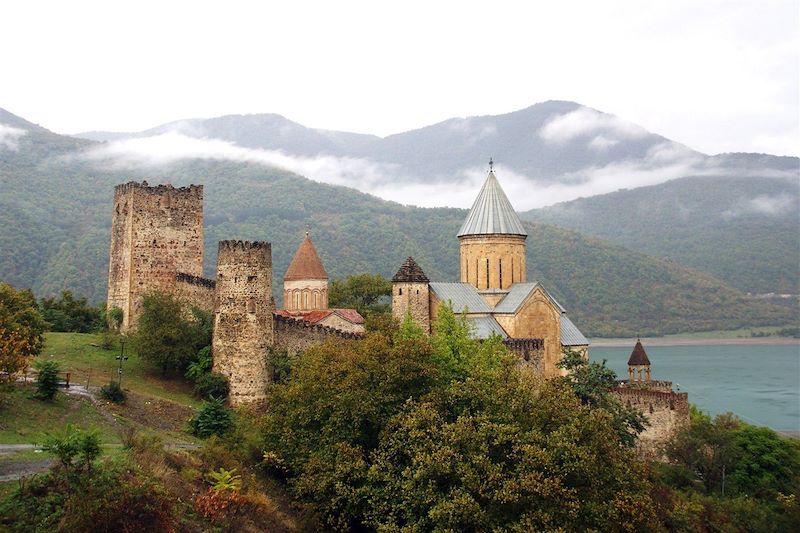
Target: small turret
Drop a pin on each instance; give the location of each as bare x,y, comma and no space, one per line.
638,365
411,294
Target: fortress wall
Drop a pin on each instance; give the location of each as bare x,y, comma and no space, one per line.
156,233
195,291
297,336
666,411
243,328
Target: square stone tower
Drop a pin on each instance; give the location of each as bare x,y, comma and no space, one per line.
156,232
243,327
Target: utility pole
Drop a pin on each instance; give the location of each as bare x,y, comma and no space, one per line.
121,357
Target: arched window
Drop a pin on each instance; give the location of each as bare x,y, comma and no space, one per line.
400,291
487,273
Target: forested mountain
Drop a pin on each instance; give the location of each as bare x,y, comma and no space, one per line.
744,230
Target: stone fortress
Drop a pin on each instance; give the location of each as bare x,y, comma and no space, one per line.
157,245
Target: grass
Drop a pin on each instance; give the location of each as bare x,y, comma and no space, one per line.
80,354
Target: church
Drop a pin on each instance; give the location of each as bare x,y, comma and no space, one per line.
494,293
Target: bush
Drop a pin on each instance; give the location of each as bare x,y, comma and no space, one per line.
212,385
108,339
69,314
213,418
113,392
73,443
46,379
201,365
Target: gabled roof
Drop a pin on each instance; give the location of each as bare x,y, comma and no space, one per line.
570,334
461,296
318,315
518,293
638,355
410,271
485,326
306,263
492,213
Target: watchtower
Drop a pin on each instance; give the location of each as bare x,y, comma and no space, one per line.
411,294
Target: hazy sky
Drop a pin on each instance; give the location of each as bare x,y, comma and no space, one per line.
715,75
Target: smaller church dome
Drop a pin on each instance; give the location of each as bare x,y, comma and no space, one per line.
638,356
306,263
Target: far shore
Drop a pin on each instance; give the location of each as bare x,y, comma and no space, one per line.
693,341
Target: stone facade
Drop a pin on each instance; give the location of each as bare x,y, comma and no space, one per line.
297,336
492,261
411,295
195,291
305,295
667,412
243,321
156,232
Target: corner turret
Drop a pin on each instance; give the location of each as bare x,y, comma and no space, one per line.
411,294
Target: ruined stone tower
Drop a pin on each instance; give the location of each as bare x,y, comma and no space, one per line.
411,294
305,284
243,327
492,241
156,233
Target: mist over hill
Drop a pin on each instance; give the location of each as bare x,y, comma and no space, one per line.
55,214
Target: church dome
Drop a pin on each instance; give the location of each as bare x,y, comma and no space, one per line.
306,263
492,214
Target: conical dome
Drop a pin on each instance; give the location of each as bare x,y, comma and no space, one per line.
306,263
638,356
492,213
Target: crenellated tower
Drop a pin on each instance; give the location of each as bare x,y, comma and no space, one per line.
411,294
492,242
243,327
156,232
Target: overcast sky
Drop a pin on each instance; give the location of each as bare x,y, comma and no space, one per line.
715,75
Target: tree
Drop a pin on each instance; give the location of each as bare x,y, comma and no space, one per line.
165,338
367,293
592,383
213,418
767,463
46,379
69,314
21,330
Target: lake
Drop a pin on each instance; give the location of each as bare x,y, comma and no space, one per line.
759,383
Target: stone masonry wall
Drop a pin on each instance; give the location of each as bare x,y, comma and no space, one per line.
243,326
297,336
413,297
195,291
666,411
156,232
506,260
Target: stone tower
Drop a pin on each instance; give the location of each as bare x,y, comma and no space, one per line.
243,327
638,365
492,241
156,232
305,284
411,294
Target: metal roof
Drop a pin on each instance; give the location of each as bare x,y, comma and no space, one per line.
461,296
518,293
492,213
484,326
570,334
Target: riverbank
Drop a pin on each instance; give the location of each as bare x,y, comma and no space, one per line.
677,340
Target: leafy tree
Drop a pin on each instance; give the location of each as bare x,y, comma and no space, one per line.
279,364
767,463
21,330
114,318
46,379
592,383
113,392
69,314
212,385
213,418
201,365
72,443
164,336
367,293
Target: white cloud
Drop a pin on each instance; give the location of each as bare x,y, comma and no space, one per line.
9,136
585,121
601,144
771,205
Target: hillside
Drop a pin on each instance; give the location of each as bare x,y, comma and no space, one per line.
55,218
743,230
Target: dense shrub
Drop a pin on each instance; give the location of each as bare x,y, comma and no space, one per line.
112,392
72,443
212,385
67,313
201,364
213,418
46,379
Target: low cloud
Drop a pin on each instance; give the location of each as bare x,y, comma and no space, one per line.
585,122
9,137
770,205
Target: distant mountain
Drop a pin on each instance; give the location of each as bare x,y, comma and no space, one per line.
55,214
744,230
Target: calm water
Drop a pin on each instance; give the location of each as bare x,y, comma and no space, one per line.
761,384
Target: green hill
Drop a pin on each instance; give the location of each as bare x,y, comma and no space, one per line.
55,213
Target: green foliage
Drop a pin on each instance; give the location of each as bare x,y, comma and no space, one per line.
112,392
224,480
213,418
20,318
212,385
279,364
68,314
367,293
592,383
201,365
165,338
72,443
114,318
46,379
767,464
